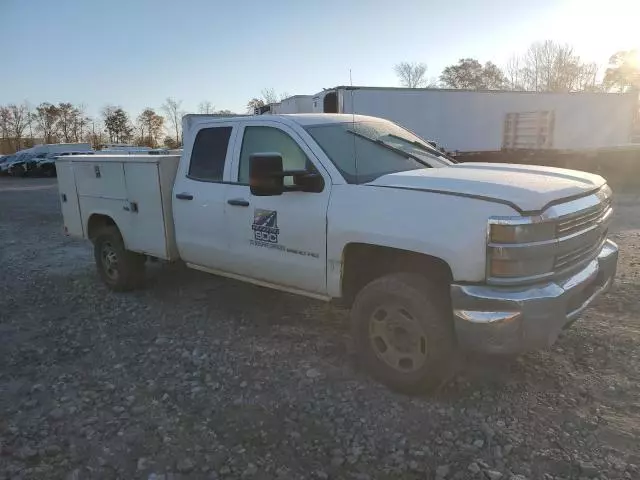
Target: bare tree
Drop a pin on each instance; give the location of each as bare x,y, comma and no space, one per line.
587,80
67,117
552,67
433,82
206,107
46,118
79,123
513,73
173,113
5,126
32,120
18,122
94,134
411,75
269,96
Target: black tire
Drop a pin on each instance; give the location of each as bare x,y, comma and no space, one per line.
421,309
120,269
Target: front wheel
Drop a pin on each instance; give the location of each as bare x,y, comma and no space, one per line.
403,331
120,269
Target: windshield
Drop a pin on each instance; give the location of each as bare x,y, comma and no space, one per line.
364,151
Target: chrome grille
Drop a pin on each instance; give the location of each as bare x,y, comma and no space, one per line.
578,256
581,236
580,220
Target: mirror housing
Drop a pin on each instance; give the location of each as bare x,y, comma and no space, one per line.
311,182
266,175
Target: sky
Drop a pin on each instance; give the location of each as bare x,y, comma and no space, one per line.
136,53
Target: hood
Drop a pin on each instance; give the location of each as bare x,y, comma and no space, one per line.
526,187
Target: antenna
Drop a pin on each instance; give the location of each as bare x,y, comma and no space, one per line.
353,126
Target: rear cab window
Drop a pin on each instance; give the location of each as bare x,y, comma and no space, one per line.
209,154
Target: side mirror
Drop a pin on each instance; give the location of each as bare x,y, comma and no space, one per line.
266,175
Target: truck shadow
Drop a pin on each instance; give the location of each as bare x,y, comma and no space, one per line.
285,317
177,282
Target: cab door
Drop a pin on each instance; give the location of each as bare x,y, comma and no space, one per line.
199,195
277,239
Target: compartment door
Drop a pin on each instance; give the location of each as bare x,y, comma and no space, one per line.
69,199
147,232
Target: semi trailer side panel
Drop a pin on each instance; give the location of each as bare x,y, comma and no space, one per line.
469,121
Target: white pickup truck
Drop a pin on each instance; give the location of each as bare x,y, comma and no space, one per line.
431,256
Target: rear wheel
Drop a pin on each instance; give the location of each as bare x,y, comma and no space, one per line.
402,328
119,269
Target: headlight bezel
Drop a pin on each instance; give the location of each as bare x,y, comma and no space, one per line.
520,241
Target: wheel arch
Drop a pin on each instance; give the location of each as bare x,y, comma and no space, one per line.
364,262
97,221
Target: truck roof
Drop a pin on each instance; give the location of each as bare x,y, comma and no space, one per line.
299,118
320,118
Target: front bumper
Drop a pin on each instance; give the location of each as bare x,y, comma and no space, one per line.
515,320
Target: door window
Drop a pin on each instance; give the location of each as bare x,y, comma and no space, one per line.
209,153
272,140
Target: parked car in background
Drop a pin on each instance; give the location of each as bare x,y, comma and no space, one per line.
31,160
20,163
159,151
47,166
6,163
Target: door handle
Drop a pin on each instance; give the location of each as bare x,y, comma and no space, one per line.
184,196
238,202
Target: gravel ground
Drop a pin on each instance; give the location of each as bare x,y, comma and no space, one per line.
201,377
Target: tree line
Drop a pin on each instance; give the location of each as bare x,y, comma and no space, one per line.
23,125
545,67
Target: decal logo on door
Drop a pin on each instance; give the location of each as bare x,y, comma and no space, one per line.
265,226
266,231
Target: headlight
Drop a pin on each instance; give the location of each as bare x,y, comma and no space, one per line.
520,248
530,232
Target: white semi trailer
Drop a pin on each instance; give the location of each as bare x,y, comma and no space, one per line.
294,104
489,121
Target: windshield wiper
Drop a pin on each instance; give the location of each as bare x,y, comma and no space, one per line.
396,150
426,148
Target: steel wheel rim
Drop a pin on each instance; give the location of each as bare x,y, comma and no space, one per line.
109,261
397,338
